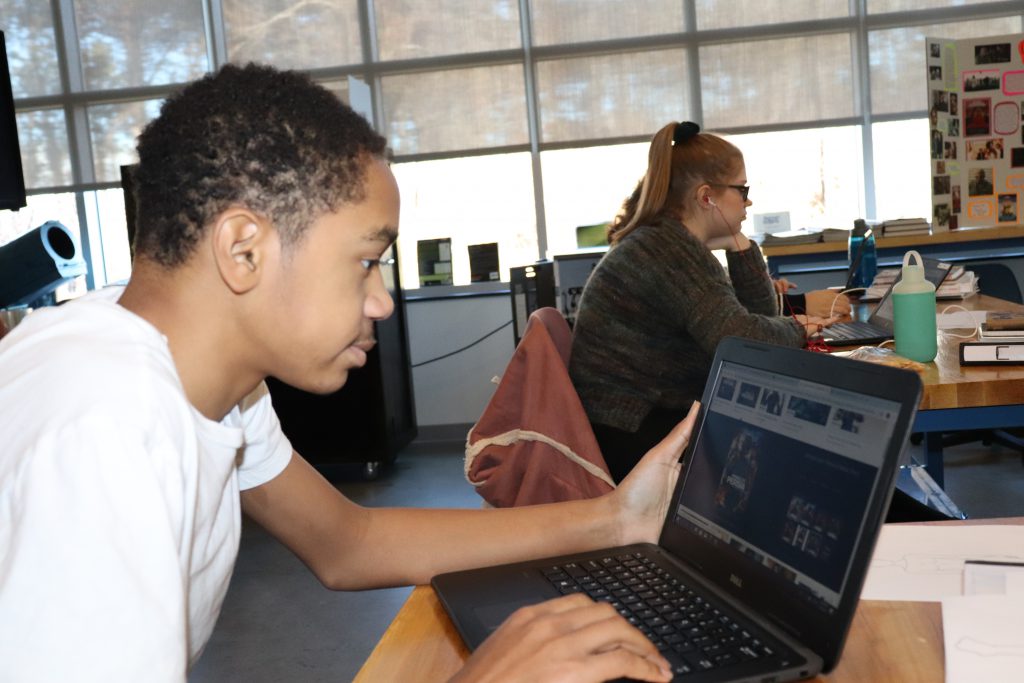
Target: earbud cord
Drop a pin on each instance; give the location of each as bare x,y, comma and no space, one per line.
814,343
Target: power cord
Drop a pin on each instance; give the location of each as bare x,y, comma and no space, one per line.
467,346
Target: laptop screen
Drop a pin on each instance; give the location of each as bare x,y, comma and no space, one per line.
781,476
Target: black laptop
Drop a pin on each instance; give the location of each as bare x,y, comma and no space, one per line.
879,325
764,550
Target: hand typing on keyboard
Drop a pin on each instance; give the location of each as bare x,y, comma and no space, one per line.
569,639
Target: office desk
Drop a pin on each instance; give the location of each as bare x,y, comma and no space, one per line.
959,398
890,641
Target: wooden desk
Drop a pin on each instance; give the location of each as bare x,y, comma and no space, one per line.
888,641
960,398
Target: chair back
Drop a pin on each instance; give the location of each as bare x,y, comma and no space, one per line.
533,443
996,279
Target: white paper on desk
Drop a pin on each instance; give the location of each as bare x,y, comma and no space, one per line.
984,638
914,562
960,320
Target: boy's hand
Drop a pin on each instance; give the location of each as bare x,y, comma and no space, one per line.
644,495
566,640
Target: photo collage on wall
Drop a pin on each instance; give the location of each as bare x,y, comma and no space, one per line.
976,123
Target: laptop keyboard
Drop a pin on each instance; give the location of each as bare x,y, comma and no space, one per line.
853,330
692,634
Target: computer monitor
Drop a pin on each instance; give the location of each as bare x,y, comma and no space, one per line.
12,179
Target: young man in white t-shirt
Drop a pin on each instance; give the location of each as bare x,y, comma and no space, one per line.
136,425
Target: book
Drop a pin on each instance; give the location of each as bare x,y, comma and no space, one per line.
1000,336
799,236
992,353
1004,320
835,235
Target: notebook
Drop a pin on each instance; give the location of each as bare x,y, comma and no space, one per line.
879,325
767,540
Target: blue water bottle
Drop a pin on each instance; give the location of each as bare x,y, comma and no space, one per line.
862,255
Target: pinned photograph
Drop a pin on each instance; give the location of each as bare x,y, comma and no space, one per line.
940,217
954,127
980,150
956,197
987,79
949,149
935,50
953,103
937,145
940,184
992,54
977,116
1007,208
940,100
1017,157
980,182
935,73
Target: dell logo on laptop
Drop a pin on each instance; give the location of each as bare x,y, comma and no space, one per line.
737,581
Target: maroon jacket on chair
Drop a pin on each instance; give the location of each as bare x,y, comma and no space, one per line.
534,444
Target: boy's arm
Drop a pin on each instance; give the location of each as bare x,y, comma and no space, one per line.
352,547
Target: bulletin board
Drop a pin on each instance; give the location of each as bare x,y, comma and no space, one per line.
976,110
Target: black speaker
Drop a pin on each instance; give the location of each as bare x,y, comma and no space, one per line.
37,263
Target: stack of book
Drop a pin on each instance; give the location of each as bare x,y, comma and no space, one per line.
959,284
799,236
1002,326
905,226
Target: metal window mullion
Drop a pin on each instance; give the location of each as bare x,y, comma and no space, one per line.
693,64
216,34
862,64
69,61
533,125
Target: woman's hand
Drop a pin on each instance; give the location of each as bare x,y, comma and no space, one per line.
566,640
813,325
734,242
824,303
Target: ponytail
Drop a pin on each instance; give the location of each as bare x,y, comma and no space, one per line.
679,158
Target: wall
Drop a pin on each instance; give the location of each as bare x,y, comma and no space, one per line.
455,390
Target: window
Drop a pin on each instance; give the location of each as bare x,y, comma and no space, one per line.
585,187
511,122
472,200
814,174
611,96
293,35
407,29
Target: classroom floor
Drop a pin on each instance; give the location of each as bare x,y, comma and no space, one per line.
279,624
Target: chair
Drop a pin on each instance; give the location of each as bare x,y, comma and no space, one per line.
998,280
533,443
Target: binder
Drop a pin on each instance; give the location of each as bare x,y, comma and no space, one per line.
992,353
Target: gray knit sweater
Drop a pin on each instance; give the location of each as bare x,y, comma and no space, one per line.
652,314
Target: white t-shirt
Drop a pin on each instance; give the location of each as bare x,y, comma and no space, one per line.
119,505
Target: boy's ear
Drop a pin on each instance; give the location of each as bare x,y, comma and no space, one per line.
240,248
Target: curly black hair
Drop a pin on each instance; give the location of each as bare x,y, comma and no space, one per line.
272,141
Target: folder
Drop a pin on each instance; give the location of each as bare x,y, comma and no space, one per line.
991,353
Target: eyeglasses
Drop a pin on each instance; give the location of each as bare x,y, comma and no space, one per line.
744,190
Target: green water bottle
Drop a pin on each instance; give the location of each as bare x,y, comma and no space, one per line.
913,302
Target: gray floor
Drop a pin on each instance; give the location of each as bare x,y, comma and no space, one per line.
279,624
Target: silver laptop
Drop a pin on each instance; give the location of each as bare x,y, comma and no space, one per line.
761,559
879,325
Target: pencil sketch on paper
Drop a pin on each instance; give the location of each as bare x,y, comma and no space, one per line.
935,564
982,648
